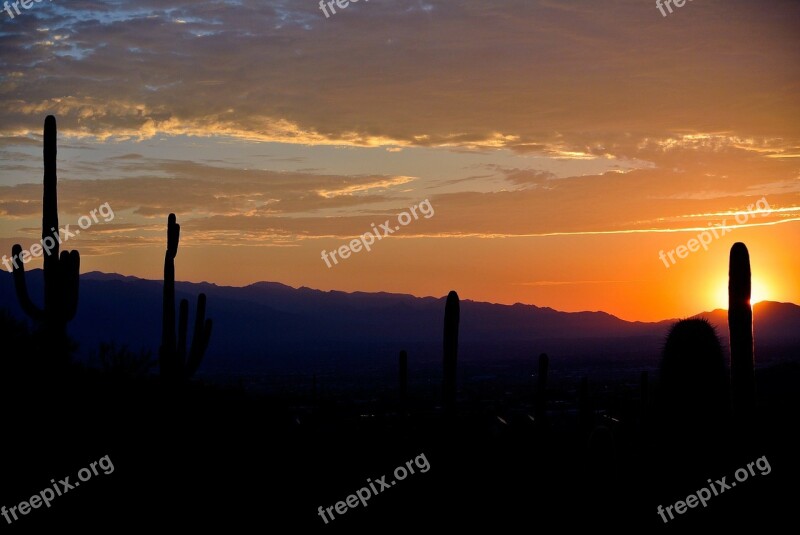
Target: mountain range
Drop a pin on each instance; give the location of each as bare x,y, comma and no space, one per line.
269,327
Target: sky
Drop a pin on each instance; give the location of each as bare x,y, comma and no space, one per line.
569,151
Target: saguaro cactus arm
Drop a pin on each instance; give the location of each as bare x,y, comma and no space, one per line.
200,338
21,286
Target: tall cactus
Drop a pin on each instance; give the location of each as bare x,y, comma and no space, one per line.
451,319
172,353
740,325
60,272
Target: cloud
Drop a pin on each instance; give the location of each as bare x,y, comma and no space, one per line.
705,107
532,75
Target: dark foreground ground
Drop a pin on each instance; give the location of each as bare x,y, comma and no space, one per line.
197,455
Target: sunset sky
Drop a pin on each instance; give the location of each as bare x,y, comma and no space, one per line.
562,144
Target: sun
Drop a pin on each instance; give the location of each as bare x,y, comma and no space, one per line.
759,291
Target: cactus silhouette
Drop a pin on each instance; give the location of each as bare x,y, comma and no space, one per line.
740,325
451,319
403,364
60,272
172,354
540,409
693,388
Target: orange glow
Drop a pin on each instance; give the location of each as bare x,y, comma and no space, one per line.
560,177
760,291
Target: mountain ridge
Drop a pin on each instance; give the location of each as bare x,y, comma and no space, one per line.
268,325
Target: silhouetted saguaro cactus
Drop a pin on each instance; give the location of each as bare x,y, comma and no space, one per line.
451,319
60,272
540,410
693,387
740,325
172,353
403,376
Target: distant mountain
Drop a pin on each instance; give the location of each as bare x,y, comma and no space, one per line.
270,326
773,323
